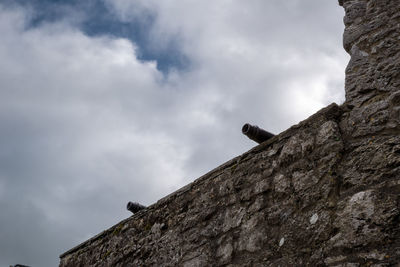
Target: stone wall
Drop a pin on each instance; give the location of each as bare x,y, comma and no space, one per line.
372,38
326,192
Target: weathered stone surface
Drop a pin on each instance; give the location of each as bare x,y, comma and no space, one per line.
372,37
326,192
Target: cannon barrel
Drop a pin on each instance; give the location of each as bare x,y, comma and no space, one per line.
134,207
255,133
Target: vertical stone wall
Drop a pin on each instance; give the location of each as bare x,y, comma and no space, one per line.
326,192
372,38
371,121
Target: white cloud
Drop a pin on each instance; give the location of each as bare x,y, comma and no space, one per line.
264,47
74,137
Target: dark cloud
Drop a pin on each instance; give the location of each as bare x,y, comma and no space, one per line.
88,121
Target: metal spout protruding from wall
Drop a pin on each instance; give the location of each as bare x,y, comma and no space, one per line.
134,207
255,133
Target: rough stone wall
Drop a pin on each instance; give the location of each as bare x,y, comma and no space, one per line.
372,38
326,192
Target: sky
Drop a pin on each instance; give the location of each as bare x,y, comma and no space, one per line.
108,101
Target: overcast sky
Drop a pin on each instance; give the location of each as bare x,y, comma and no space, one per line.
108,101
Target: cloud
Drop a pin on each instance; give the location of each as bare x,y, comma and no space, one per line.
87,124
74,141
243,47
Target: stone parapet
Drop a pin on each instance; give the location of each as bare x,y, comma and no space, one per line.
306,196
